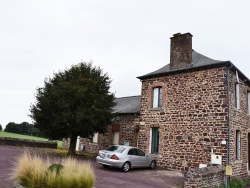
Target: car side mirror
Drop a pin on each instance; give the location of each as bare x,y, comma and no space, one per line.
146,155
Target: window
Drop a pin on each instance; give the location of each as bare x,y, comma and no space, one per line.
135,151
157,97
118,149
95,138
248,102
237,95
237,144
132,152
140,152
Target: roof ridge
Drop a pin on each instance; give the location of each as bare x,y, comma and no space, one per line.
128,96
198,60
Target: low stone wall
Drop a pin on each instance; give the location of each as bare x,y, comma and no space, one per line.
65,143
27,143
205,177
87,145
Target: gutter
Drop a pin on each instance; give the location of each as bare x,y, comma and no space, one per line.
228,121
229,115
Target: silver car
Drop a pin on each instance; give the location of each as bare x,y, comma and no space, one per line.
125,157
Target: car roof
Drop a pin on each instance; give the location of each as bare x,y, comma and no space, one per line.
126,146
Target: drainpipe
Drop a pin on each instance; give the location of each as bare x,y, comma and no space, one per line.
228,121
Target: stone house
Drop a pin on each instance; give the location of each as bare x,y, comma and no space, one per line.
124,129
192,112
195,111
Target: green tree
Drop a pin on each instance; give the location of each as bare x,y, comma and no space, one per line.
1,128
22,128
12,127
74,102
25,128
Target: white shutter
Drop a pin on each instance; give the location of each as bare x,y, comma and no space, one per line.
116,137
150,140
155,97
95,138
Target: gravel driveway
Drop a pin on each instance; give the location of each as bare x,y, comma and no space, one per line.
105,178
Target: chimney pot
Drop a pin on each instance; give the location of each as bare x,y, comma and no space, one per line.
176,34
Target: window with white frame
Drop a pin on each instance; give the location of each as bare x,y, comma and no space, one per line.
248,102
237,95
95,138
157,97
237,144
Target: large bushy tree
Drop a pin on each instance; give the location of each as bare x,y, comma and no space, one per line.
74,102
1,127
12,127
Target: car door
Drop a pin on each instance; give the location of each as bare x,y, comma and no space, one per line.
133,157
143,160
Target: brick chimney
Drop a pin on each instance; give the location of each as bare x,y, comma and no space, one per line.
180,50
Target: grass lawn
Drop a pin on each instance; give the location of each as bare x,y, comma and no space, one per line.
13,135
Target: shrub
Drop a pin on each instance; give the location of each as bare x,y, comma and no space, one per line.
234,183
32,171
237,183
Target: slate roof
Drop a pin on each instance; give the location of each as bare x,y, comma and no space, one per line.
198,60
127,105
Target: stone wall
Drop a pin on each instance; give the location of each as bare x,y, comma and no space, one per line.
126,124
88,146
240,120
27,143
192,120
210,176
129,127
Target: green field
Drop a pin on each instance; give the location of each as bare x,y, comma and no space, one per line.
13,135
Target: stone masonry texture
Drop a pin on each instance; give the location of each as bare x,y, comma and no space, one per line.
192,120
181,51
126,124
240,121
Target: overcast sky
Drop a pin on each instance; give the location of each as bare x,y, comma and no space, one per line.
126,38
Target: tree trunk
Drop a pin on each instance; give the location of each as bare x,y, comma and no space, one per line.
72,146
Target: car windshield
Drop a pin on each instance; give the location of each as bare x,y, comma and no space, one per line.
117,149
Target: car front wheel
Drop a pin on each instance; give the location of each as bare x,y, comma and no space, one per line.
152,165
126,167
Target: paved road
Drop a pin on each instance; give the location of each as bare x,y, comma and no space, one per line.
7,157
105,178
137,178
